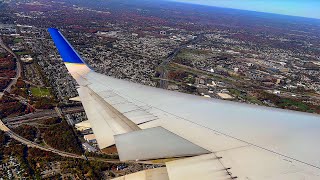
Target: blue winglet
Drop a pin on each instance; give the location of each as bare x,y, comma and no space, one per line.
65,49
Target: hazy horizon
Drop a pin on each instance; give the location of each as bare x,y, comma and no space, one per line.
301,8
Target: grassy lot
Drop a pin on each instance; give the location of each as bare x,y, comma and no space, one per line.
22,53
294,104
176,66
40,92
247,97
188,56
17,40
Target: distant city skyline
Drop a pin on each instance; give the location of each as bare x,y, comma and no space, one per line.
302,8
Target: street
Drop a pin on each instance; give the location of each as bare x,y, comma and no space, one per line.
28,143
18,69
41,114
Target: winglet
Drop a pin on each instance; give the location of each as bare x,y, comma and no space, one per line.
74,63
68,54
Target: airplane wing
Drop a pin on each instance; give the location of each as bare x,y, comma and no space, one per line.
207,138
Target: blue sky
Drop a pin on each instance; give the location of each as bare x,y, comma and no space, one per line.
304,8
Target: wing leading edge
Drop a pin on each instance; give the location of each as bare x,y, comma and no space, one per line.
250,141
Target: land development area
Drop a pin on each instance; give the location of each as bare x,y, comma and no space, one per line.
227,54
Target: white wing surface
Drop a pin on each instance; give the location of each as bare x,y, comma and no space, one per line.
220,139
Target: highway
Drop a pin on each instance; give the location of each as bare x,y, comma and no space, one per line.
18,68
72,109
41,114
164,72
28,143
58,111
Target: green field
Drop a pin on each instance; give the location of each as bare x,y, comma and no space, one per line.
40,92
299,105
22,53
17,40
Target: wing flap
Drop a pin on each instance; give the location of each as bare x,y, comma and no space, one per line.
102,130
150,174
204,167
154,143
105,120
256,163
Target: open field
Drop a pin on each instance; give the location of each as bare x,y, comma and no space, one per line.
40,92
22,53
17,40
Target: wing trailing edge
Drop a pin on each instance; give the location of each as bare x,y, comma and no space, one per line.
155,143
